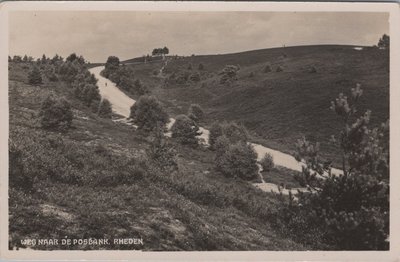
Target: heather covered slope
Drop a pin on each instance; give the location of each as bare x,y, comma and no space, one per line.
95,180
277,107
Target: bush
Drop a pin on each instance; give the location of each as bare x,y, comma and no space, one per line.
105,109
162,153
201,66
55,114
196,113
148,113
267,162
351,209
232,131
279,69
185,130
267,69
236,160
229,74
35,77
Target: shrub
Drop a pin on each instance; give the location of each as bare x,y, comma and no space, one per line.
201,66
279,69
236,160
105,109
185,130
267,69
189,67
251,75
267,162
55,114
231,130
351,209
35,76
196,113
229,74
161,152
148,113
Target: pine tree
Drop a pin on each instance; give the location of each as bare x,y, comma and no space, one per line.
35,77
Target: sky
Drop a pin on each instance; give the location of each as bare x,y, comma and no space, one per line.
127,34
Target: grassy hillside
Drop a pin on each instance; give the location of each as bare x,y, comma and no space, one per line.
95,180
279,107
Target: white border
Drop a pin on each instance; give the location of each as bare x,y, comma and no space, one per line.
392,8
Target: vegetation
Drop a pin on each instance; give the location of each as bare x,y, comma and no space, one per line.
231,130
35,77
55,114
236,160
148,113
229,74
349,211
384,42
160,51
267,162
196,113
105,109
99,181
185,130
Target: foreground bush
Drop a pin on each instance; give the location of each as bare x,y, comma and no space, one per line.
236,160
55,113
185,130
148,113
350,211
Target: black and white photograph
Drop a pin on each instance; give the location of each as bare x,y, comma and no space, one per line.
154,130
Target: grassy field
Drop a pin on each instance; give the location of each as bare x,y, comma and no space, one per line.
279,107
95,181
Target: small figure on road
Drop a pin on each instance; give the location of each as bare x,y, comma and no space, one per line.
106,83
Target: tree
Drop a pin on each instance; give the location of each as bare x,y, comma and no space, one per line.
148,113
105,109
17,59
25,58
9,59
351,209
236,160
267,162
185,130
201,67
112,63
196,113
55,114
35,76
384,42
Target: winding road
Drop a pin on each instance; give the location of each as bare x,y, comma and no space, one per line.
121,105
